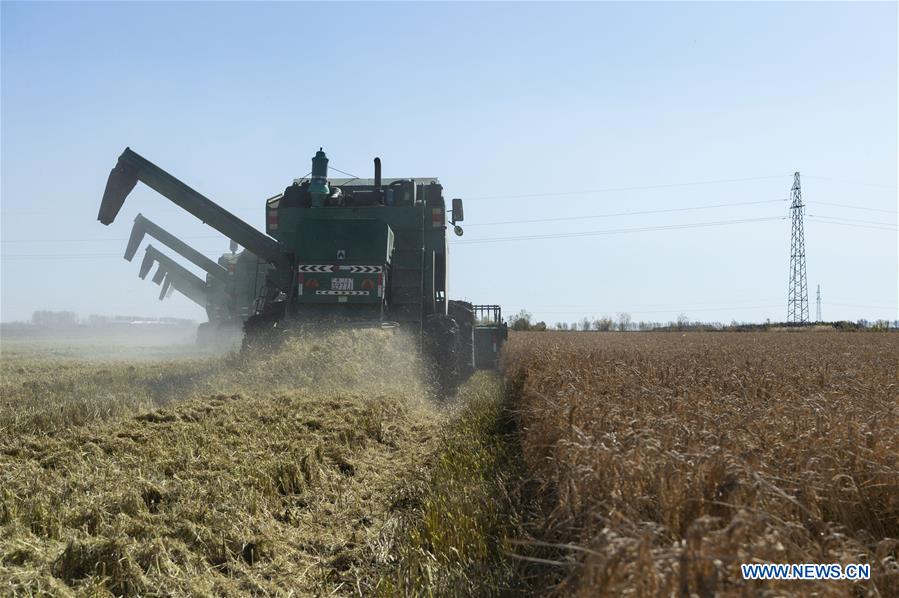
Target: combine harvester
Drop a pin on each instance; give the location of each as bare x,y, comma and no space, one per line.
352,252
227,294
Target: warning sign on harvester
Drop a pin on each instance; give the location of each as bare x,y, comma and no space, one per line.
341,254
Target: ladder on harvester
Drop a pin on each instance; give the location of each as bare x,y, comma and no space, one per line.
406,272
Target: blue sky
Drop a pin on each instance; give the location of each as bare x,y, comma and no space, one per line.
527,111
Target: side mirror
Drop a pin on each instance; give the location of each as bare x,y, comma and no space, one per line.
458,213
234,246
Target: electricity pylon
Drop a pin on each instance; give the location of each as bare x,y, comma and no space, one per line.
797,296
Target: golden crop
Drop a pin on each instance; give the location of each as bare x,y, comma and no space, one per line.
664,461
642,464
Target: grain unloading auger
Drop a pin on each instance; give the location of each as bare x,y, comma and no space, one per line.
173,281
231,284
342,251
143,226
132,168
172,274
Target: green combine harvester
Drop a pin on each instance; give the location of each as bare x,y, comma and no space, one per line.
338,252
228,291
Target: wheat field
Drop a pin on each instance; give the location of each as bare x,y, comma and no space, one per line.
662,461
597,464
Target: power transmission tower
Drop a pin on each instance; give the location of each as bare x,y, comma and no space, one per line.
818,309
797,297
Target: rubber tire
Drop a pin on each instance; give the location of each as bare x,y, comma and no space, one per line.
262,333
442,348
463,313
205,334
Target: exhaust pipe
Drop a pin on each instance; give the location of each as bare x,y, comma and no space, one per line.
378,175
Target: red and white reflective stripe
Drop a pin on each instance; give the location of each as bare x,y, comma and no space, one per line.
300,280
380,284
436,217
343,293
327,268
272,219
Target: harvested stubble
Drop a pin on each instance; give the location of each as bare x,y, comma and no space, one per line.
44,395
278,481
452,539
666,460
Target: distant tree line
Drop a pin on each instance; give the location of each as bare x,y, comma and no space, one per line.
523,320
54,319
68,319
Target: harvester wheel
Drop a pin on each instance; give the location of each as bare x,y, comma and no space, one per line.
205,332
442,347
463,313
261,333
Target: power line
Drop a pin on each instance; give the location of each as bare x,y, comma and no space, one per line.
535,220
618,231
59,257
594,310
862,305
842,205
485,240
641,188
637,306
62,256
103,240
640,213
78,214
855,220
819,220
837,220
657,307
863,183
216,253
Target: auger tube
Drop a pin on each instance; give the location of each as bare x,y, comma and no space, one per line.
131,167
143,226
186,287
160,275
169,266
166,285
